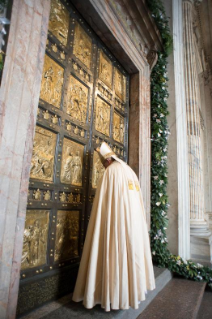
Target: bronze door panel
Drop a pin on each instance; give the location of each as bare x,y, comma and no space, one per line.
105,70
35,239
59,21
43,154
82,46
76,100
98,170
72,163
52,81
118,128
102,119
67,235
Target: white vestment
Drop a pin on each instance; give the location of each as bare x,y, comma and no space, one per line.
116,266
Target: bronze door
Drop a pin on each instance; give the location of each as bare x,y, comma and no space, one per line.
83,101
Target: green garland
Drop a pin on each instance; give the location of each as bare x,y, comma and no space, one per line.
160,132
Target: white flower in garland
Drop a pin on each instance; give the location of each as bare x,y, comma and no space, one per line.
179,262
161,182
162,115
185,261
160,194
163,213
199,265
154,253
158,203
158,121
155,177
155,115
160,232
159,134
199,277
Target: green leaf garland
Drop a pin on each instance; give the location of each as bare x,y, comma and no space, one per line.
159,179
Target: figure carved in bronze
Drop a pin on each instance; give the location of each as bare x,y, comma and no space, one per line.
105,70
67,235
43,154
102,117
52,81
72,160
35,239
59,21
76,100
98,170
82,46
118,128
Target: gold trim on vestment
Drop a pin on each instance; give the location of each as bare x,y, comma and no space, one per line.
109,154
137,187
130,185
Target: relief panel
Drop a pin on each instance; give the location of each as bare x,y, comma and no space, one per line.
82,46
59,21
52,82
76,100
120,85
43,154
105,69
98,170
35,239
118,128
67,235
72,163
102,117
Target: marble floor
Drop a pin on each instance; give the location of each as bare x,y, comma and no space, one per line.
65,308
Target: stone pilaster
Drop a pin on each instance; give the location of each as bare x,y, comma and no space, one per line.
19,97
180,149
193,120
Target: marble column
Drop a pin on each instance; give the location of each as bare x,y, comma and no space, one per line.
183,201
19,96
193,120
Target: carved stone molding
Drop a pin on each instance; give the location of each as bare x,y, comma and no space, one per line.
152,58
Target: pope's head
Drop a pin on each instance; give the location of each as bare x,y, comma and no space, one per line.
106,154
108,161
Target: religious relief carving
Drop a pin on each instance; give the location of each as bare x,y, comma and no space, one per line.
104,91
59,21
47,195
52,81
102,117
82,45
98,170
37,194
105,69
43,154
35,239
120,85
118,128
77,100
67,235
72,161
77,68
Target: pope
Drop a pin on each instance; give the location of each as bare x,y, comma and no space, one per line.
116,267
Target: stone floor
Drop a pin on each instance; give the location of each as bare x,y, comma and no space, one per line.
180,299
65,308
205,311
